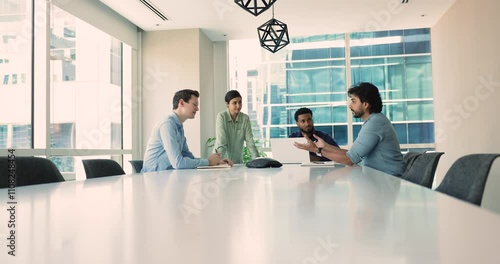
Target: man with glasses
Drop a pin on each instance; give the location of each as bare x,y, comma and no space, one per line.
167,147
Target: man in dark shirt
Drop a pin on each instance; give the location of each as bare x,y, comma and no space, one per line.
304,119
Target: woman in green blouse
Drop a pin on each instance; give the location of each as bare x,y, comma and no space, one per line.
232,129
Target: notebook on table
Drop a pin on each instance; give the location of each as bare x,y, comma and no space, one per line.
220,166
320,164
285,152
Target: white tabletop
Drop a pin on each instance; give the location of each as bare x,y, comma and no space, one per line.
287,215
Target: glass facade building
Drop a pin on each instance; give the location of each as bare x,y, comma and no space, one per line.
88,110
316,71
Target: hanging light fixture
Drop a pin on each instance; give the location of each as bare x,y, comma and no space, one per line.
255,7
273,35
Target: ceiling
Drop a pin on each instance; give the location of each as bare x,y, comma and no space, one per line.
224,20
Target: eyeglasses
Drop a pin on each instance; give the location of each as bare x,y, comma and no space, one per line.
194,104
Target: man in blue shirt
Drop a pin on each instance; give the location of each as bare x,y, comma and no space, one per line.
376,145
304,119
167,148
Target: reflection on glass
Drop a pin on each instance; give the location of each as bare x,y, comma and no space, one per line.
374,197
85,85
15,74
86,89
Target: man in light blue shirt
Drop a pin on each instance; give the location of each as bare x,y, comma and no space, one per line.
167,148
376,145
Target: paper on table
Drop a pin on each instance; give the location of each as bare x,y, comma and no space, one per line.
320,164
221,166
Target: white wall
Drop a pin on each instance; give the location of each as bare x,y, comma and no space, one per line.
466,76
173,60
220,87
207,110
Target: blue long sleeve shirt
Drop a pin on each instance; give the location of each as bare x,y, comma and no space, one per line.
167,148
377,146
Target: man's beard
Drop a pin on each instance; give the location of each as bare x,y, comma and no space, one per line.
308,133
357,114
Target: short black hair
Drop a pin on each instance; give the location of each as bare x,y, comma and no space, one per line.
185,95
301,111
231,95
367,92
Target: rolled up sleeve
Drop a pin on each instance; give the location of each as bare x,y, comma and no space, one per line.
364,144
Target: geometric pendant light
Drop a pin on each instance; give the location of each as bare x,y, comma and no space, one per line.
273,35
255,7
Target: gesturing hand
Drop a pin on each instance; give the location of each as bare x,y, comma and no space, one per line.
309,146
320,143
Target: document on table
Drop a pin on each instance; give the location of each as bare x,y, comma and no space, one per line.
220,166
320,164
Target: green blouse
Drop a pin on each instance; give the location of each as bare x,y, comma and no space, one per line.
231,135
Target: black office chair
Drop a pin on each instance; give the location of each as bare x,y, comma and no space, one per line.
29,171
409,158
467,177
136,165
420,168
101,167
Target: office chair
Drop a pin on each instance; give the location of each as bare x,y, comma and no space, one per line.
420,168
409,158
101,167
29,171
136,165
467,177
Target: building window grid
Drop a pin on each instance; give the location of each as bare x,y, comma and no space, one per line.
284,129
19,135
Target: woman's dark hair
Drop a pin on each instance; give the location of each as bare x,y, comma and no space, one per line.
185,95
367,92
302,111
231,95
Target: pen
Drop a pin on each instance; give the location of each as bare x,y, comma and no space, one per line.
217,149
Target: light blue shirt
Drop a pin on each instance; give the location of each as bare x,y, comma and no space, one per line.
167,148
377,146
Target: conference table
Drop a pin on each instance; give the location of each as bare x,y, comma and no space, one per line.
292,214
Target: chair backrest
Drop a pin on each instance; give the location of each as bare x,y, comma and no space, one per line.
467,177
29,171
409,158
101,167
420,168
136,165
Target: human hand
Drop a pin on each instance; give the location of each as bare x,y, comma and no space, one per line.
226,161
320,143
214,159
309,146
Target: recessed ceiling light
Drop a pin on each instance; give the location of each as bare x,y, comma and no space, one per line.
423,15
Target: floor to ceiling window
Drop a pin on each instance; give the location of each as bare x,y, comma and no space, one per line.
86,90
399,64
15,74
86,111
316,71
